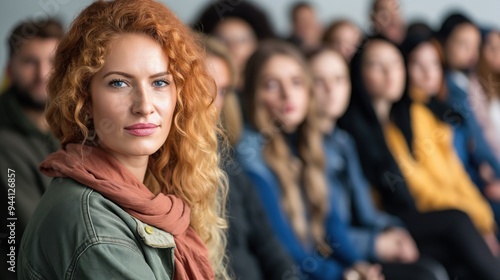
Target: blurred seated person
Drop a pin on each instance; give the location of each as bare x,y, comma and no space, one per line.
239,26
387,20
460,39
253,250
377,236
306,27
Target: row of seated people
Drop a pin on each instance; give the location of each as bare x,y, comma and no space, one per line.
388,126
360,151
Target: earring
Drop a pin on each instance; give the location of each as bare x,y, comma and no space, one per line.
92,135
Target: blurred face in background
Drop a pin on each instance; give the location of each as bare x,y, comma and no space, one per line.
283,90
345,39
29,69
306,26
218,68
332,87
424,69
462,47
491,50
388,20
239,38
383,71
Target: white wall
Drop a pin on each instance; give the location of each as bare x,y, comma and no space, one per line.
482,11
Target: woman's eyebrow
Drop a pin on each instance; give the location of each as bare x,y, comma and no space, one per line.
130,76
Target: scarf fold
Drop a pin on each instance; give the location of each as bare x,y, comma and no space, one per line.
98,170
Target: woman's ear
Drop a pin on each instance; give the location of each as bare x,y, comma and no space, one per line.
87,112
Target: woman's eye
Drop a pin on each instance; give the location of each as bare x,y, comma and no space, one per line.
118,83
272,85
374,65
161,83
297,82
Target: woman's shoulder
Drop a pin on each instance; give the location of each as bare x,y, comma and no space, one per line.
250,137
248,151
71,214
428,126
70,203
70,219
342,137
250,159
421,112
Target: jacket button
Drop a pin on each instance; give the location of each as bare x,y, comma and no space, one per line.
149,230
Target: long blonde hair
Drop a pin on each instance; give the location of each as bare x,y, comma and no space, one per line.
187,164
296,175
231,117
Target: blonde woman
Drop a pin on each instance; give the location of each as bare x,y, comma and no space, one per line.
253,250
281,152
138,190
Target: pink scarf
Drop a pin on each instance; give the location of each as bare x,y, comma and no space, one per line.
95,168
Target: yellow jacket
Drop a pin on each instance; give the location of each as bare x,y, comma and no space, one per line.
435,176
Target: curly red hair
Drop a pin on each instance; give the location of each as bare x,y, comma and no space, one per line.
188,163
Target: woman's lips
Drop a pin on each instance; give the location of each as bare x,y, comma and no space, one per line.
142,129
288,109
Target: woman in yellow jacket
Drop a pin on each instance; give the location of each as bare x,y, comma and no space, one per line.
426,154
434,174
404,147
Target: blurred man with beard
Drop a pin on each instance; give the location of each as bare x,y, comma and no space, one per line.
387,20
25,139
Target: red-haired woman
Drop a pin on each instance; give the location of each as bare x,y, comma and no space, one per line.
138,188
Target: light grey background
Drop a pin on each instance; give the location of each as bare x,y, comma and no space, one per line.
486,12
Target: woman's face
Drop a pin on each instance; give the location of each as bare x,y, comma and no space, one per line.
424,69
133,97
221,74
283,90
332,87
239,38
462,47
491,50
383,71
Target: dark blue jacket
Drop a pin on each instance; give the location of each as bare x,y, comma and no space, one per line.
309,261
350,194
470,143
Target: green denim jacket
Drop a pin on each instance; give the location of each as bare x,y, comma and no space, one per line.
76,233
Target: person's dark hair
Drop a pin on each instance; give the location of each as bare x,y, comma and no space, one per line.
374,7
217,11
26,30
416,34
360,120
296,7
450,23
419,33
419,28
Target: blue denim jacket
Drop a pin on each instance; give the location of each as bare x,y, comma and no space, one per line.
310,262
351,196
475,149
76,233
